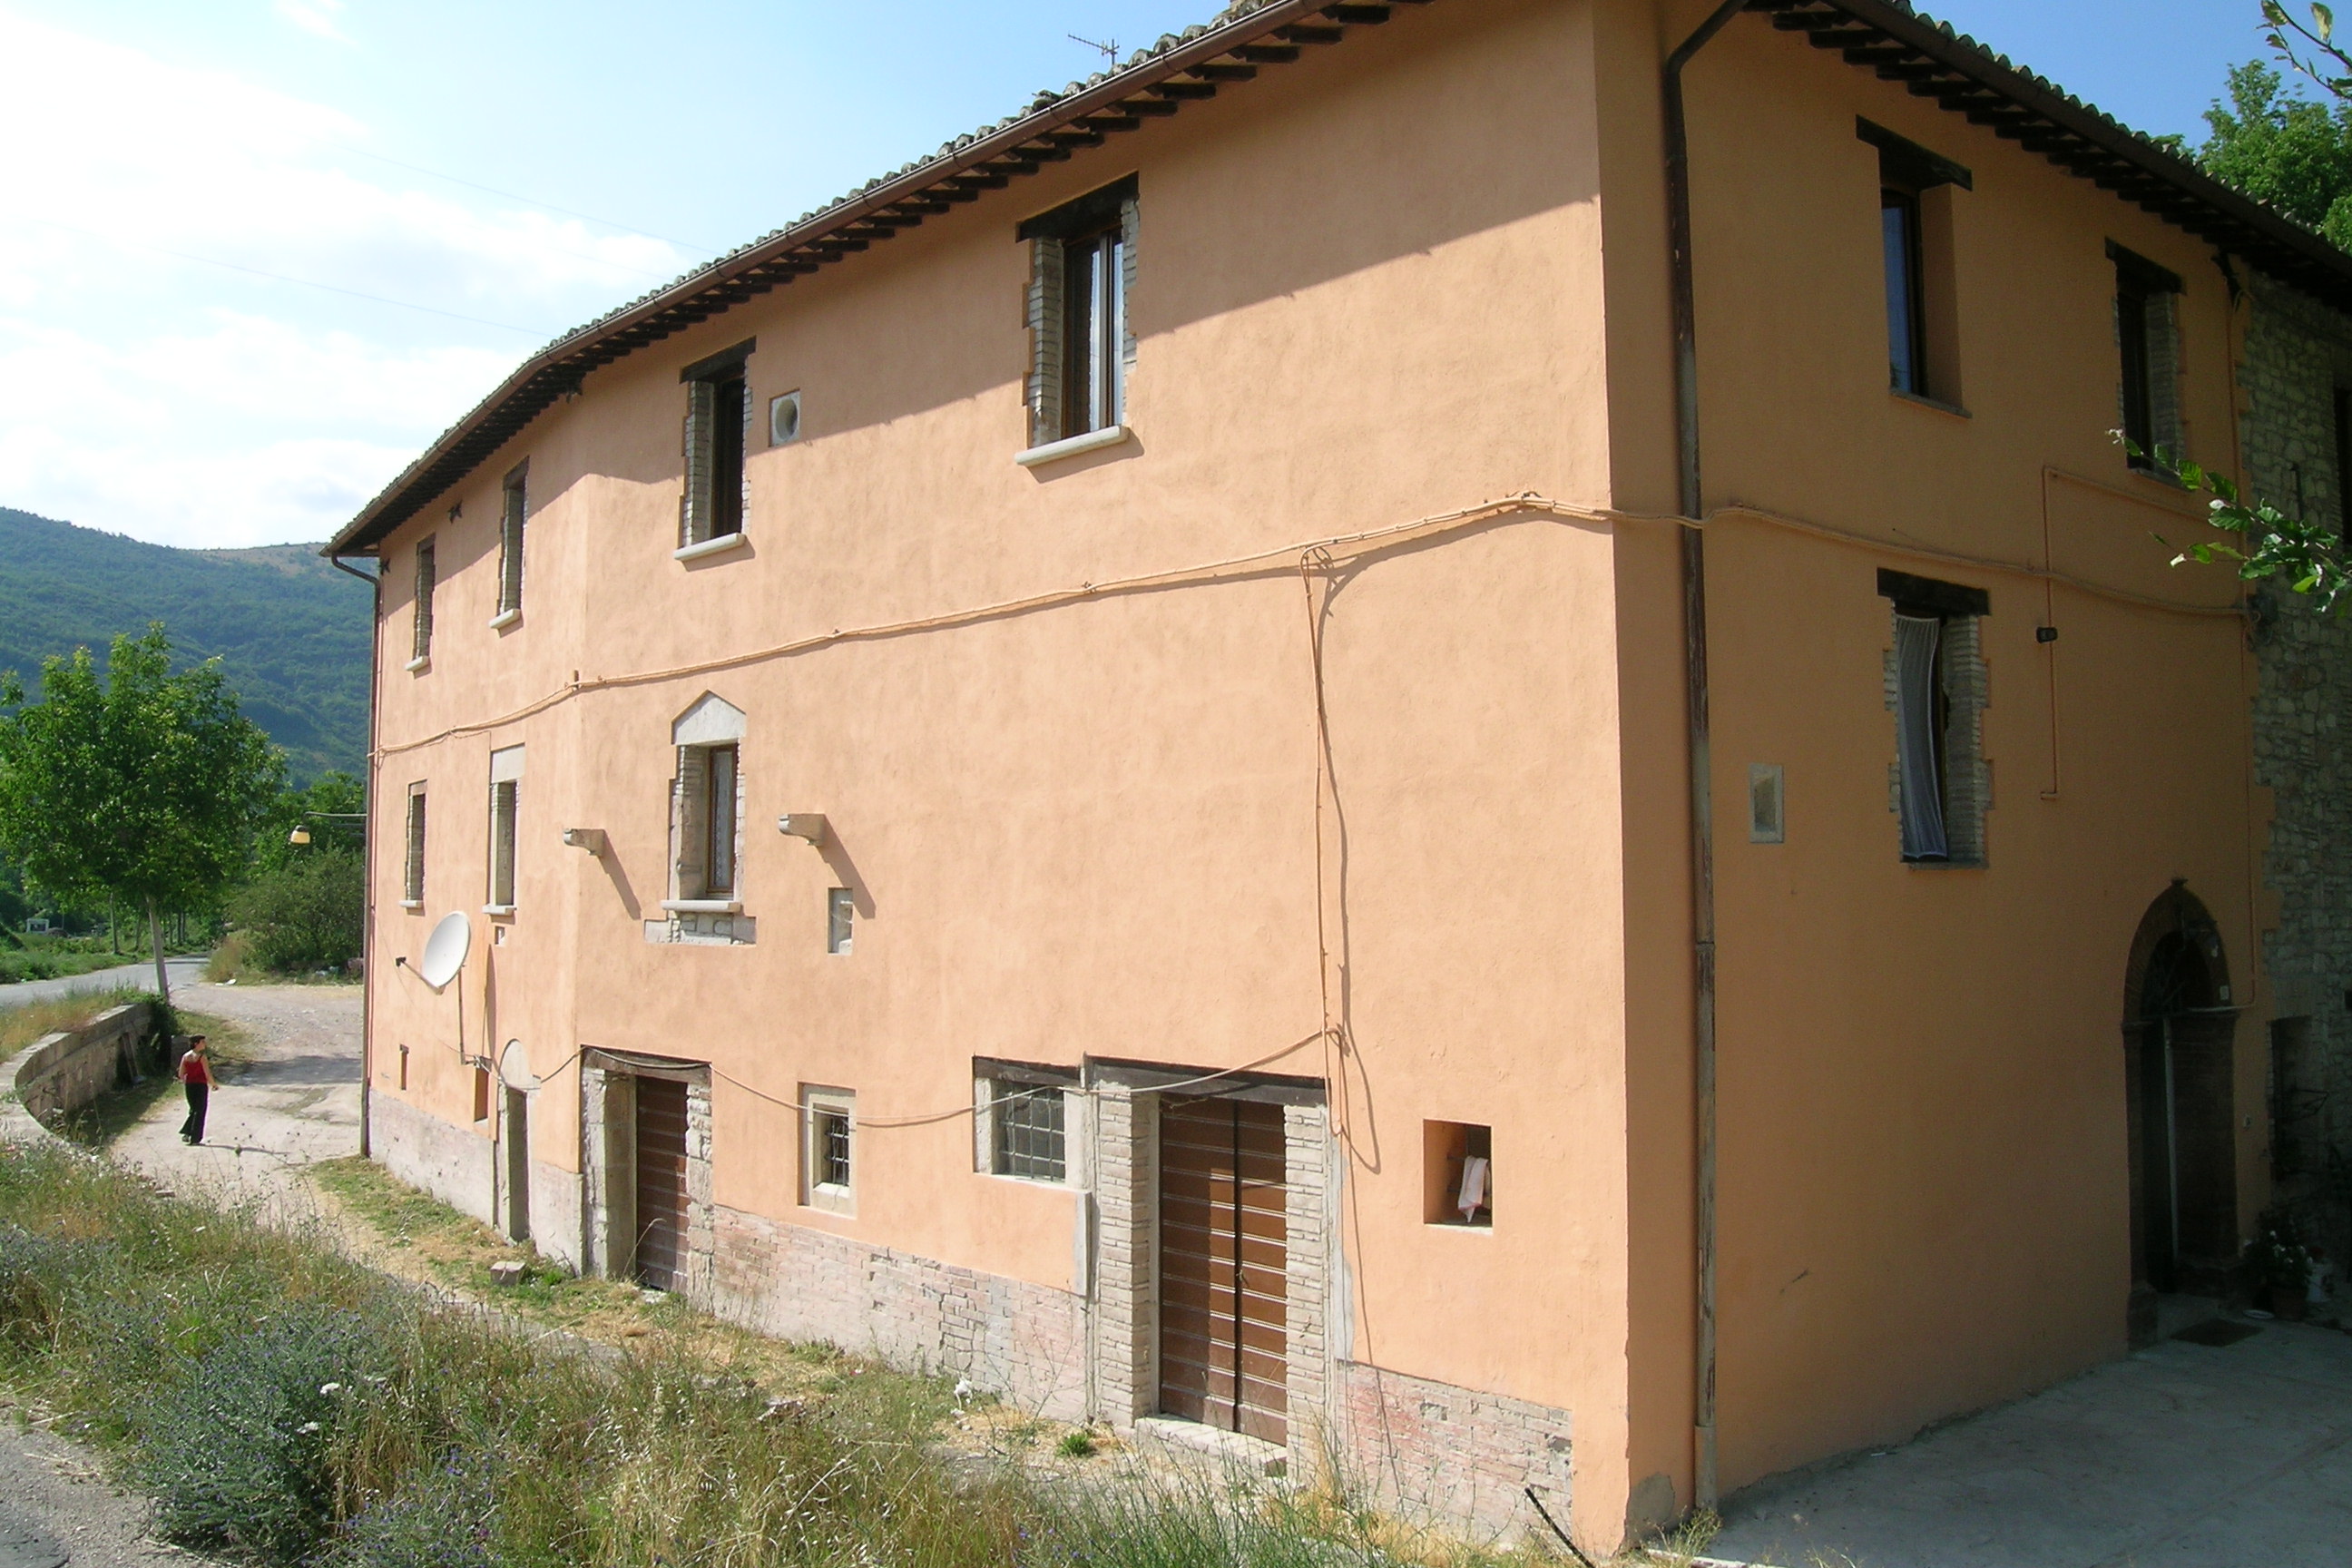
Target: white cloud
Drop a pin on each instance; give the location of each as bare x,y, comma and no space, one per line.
189,403
315,17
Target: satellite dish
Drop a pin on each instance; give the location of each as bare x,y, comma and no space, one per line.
446,949
514,1069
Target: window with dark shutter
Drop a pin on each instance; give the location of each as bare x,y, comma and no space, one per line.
413,872
717,427
421,635
1084,254
514,507
2148,342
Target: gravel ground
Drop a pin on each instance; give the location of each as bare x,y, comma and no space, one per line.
297,1101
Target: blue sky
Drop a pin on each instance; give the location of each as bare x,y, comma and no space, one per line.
167,153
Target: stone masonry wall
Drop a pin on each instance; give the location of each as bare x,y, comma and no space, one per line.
2296,353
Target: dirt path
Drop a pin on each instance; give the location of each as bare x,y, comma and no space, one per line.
56,1507
295,1103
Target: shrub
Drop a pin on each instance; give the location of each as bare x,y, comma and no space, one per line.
239,1449
229,959
307,914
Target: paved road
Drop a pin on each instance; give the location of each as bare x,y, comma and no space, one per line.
60,1508
2182,1456
138,977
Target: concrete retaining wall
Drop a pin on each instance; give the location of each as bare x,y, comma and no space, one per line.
62,1073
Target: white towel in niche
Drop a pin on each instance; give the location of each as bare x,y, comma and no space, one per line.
1474,1184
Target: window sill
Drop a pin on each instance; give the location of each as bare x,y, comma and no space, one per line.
1943,865
1092,441
718,546
1937,404
412,903
836,1201
419,665
499,911
702,905
1477,1227
506,618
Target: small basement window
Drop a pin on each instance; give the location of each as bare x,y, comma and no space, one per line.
1458,1174
829,1148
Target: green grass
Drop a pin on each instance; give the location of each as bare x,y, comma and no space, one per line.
21,1025
287,1404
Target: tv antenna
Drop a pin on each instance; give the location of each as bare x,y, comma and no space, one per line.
1109,50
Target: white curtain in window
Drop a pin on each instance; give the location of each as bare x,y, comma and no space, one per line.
1915,640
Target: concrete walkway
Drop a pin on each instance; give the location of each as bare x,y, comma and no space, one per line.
2181,1457
136,976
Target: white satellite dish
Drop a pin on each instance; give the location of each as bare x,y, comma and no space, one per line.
514,1067
445,950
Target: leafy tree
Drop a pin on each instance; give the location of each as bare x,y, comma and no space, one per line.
329,807
308,912
144,784
2294,154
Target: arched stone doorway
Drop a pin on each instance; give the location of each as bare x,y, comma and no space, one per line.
2179,1034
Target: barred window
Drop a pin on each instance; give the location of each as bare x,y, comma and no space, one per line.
1030,1138
829,1148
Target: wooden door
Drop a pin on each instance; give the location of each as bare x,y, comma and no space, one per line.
661,1183
1223,1226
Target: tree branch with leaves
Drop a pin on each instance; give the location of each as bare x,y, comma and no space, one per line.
2264,542
144,784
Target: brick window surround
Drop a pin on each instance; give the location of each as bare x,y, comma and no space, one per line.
514,507
717,496
1081,333
1939,785
2148,339
505,804
421,623
411,877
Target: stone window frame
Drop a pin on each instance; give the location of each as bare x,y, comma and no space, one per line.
1964,684
712,724
2147,345
412,870
713,514
506,820
1109,212
609,1164
827,1113
428,576
993,1081
514,511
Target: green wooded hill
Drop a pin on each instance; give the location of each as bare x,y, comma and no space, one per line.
291,631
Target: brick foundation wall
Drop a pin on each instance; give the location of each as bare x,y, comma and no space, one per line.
1025,1342
1433,1452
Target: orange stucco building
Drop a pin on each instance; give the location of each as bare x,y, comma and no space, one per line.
1080,768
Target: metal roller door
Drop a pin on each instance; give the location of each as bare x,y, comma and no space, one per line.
661,1183
1224,1229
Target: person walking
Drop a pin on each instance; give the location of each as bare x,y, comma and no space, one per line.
196,1078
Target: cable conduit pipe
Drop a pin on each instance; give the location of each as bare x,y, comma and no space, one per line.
1701,811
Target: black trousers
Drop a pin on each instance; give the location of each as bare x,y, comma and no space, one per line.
193,1129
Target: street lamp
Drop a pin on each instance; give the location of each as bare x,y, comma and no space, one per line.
302,835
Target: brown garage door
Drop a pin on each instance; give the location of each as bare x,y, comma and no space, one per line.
1223,1246
661,1183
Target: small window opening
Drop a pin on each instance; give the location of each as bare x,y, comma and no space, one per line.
1766,803
841,916
718,431
404,1069
413,872
1031,1136
481,1094
512,514
828,1155
719,822
1458,1173
421,631
503,802
2148,339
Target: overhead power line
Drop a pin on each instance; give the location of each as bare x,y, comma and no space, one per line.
534,202
286,278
